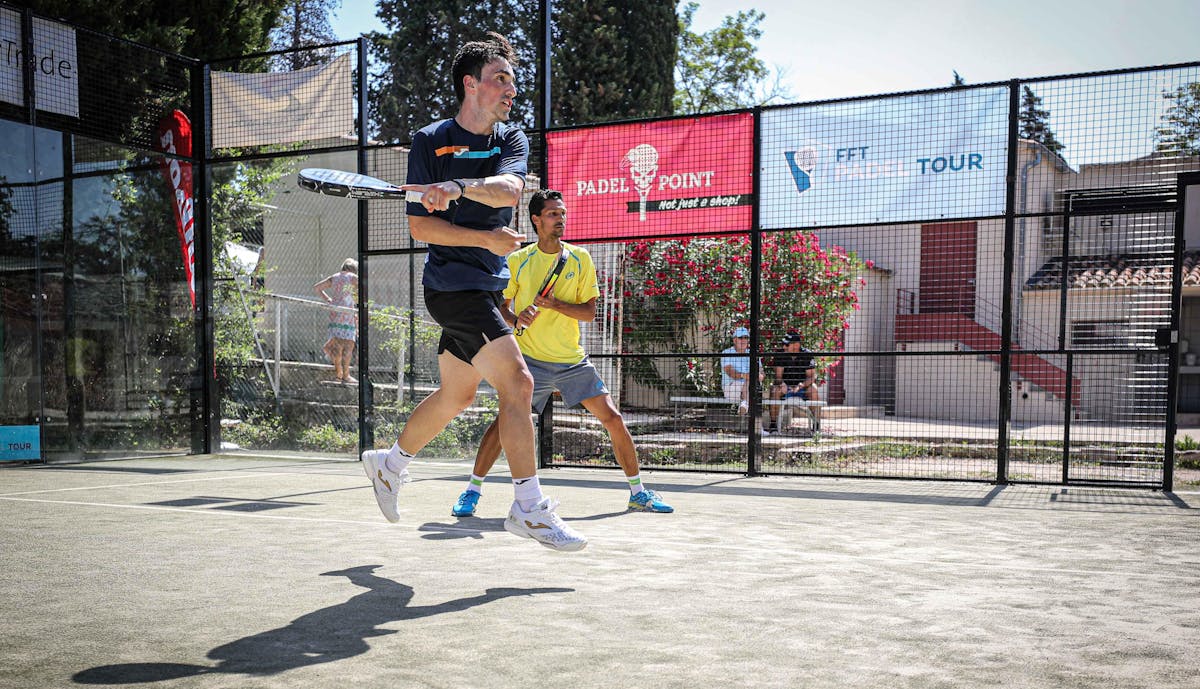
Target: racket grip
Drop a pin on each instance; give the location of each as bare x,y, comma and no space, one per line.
414,196
519,330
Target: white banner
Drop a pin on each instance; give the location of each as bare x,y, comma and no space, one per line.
281,107
55,69
924,157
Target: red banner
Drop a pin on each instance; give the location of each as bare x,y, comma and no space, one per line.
175,137
671,177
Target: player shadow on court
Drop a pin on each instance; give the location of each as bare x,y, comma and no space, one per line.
326,635
465,527
475,527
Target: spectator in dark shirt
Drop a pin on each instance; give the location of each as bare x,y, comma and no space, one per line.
795,374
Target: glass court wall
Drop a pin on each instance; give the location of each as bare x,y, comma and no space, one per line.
97,326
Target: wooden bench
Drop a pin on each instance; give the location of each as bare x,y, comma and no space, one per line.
710,404
791,405
788,407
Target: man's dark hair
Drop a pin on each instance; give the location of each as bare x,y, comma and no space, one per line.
471,58
538,201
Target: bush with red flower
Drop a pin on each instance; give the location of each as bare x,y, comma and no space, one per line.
687,295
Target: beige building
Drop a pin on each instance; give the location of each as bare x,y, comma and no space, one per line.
947,281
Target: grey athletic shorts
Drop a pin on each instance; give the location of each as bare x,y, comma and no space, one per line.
575,382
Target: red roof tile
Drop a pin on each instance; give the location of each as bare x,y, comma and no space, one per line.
1113,272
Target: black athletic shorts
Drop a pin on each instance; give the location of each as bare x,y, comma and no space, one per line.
469,319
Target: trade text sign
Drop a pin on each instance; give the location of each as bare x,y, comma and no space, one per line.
55,65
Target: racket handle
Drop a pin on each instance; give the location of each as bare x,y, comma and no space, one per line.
520,329
414,196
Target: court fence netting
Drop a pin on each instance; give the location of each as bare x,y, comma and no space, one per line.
992,282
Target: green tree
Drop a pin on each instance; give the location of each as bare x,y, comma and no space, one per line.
720,69
203,29
1179,133
612,59
1033,121
304,23
412,85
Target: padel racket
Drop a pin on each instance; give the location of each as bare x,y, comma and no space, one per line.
550,281
351,185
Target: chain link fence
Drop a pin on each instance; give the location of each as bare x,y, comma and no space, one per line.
984,280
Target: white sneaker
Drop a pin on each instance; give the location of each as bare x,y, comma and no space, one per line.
544,526
387,483
743,408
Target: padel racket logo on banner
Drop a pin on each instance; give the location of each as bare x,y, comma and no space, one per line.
175,137
687,176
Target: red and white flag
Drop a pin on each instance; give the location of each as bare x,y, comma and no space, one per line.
175,137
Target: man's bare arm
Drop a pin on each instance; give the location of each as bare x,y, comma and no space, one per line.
585,312
501,241
497,191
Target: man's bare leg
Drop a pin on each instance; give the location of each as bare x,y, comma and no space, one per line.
500,363
603,408
485,457
641,497
532,514
489,450
460,381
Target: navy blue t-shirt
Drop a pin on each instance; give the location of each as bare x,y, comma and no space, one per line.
444,151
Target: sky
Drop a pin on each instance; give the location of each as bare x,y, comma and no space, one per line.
864,47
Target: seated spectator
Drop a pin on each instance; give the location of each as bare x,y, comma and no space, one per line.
735,370
795,374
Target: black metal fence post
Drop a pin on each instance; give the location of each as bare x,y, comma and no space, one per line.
1181,206
755,312
202,274
366,397
1004,411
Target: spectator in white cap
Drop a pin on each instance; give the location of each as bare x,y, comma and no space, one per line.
735,370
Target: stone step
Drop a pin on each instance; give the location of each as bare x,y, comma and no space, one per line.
841,411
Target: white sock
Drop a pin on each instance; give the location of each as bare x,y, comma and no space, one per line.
635,484
397,459
528,492
475,485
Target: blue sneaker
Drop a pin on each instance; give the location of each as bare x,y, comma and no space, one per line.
649,501
465,507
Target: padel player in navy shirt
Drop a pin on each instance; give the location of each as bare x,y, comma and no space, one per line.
471,171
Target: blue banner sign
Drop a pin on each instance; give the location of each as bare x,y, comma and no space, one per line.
887,160
20,443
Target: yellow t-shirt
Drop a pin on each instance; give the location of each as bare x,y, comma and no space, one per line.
553,337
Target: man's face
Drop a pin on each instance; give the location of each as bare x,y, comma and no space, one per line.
792,347
741,344
552,223
495,90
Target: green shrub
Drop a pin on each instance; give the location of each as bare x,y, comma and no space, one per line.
258,433
327,438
